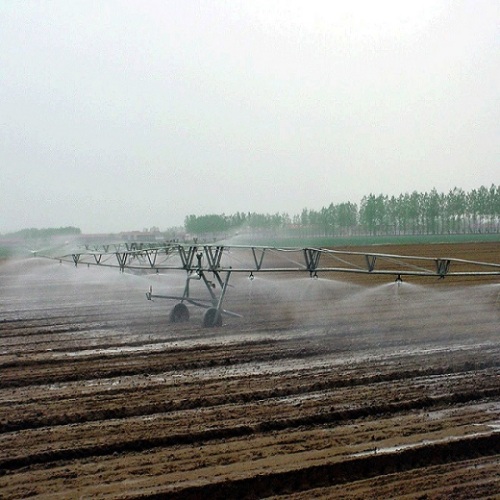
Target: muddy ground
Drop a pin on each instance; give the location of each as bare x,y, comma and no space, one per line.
337,387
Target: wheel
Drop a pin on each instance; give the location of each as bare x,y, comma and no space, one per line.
179,314
212,318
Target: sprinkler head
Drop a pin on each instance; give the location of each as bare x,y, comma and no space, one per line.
251,277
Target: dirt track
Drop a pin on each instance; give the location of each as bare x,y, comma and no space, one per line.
326,388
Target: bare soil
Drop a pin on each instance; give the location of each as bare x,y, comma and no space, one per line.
338,387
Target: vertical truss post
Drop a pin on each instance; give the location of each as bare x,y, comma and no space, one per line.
122,260
442,267
187,257
214,256
370,262
151,255
258,259
312,256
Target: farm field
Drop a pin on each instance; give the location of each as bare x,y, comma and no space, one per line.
337,387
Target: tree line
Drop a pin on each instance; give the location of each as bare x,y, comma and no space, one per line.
34,233
431,212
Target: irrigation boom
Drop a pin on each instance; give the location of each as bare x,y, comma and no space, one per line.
218,262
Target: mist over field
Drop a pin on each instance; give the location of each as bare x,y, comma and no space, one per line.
379,387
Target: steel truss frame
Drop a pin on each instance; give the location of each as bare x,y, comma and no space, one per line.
220,261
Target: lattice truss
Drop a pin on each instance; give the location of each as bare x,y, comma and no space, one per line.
253,259
214,264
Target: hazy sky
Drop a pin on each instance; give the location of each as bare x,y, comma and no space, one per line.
118,115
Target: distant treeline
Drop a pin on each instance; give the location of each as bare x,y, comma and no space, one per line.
431,212
33,233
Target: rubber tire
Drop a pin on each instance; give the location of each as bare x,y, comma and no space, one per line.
179,313
212,318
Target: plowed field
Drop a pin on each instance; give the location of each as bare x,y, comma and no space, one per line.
338,387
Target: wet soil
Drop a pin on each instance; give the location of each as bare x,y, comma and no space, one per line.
337,387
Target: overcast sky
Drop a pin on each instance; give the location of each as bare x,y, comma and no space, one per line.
121,115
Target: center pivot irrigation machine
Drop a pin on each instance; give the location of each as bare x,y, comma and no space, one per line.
214,264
